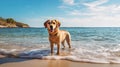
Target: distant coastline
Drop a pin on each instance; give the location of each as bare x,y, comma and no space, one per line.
11,23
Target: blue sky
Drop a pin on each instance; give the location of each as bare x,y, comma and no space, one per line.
71,13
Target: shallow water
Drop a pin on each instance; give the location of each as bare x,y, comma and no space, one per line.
89,44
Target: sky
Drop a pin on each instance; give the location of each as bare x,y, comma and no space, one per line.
71,13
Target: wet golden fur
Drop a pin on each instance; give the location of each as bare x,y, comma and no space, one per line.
57,36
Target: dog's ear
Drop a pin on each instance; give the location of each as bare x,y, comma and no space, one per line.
45,23
58,23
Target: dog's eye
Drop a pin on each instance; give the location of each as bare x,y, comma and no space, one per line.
49,23
53,23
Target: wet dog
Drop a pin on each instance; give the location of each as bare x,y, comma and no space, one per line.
57,36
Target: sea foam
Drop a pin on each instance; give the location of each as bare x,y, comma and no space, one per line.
77,54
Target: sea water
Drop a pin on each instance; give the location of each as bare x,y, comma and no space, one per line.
89,44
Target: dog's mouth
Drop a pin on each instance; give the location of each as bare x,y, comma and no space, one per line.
51,29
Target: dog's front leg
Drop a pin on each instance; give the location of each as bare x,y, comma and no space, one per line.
58,48
52,46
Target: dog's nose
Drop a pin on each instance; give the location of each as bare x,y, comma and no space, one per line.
51,27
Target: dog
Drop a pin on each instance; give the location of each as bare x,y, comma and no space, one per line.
57,36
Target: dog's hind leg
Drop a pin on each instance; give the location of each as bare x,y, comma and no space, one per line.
68,39
63,43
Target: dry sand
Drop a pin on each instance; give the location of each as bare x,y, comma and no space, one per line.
17,62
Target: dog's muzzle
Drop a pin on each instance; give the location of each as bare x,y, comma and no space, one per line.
51,28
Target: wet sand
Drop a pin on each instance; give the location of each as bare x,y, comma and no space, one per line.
18,62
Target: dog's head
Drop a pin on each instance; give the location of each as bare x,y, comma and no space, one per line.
51,25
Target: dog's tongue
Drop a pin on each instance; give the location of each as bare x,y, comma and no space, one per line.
51,30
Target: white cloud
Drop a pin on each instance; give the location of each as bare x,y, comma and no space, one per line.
110,10
79,13
96,21
94,8
93,14
68,2
95,3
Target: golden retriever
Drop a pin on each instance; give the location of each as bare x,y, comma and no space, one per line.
57,36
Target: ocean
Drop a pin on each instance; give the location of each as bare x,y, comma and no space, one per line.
89,44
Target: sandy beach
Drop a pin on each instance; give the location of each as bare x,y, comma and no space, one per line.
18,62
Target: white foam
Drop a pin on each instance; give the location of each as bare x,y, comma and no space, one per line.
84,55
101,55
7,51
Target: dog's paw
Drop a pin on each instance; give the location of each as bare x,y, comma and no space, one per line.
63,48
57,53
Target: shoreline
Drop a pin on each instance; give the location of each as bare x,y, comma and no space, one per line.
20,62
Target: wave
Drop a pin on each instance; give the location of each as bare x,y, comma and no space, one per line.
76,54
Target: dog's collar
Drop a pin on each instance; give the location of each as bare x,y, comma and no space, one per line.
53,34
